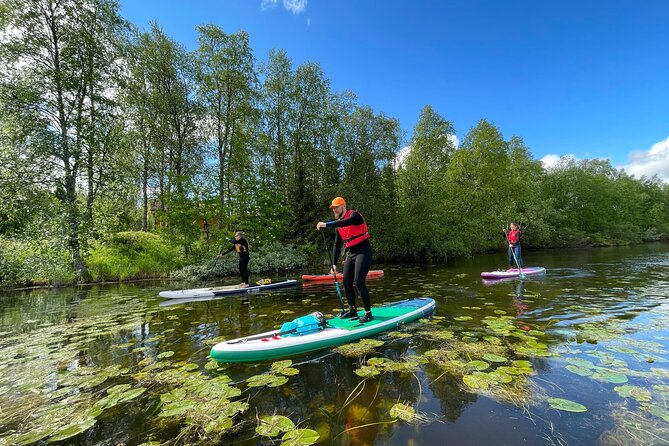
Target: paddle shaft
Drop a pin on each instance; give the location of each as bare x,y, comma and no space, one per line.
334,274
211,270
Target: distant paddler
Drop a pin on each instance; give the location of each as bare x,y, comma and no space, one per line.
241,247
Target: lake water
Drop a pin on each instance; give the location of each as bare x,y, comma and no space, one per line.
578,357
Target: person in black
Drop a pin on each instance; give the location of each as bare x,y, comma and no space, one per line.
241,246
351,230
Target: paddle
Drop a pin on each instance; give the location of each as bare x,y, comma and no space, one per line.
254,338
334,274
211,270
521,275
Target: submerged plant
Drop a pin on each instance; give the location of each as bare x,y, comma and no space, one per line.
358,349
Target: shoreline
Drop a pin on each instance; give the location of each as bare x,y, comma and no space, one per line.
391,263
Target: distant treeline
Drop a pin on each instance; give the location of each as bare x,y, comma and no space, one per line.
105,128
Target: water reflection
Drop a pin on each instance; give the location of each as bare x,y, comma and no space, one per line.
596,322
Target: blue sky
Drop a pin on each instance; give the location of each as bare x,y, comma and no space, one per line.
588,79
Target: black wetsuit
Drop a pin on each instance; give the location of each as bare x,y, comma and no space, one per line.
357,263
242,248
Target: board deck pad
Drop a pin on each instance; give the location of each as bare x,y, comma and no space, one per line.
381,314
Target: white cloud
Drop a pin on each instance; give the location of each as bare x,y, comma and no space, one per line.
295,6
551,160
654,161
267,4
401,156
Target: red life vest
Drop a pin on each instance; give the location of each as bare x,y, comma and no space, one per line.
354,234
513,236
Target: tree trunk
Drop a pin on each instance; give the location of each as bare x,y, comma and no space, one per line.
145,192
70,170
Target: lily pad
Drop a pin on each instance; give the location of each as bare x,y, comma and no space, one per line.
610,376
34,436
72,429
367,371
500,376
579,370
165,355
278,381
403,412
463,318
399,335
659,412
638,393
219,424
177,408
661,388
271,426
300,437
358,349
281,365
491,357
267,379
583,363
477,380
522,364
477,365
566,405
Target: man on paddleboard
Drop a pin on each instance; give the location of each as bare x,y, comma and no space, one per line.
513,237
352,231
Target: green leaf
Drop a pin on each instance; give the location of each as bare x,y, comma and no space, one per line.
219,424
300,437
659,412
271,426
566,405
610,376
638,393
477,380
477,365
278,381
403,412
579,370
178,408
281,365
490,357
367,371
72,429
583,363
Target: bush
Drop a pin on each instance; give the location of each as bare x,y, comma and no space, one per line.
132,255
626,233
33,262
270,258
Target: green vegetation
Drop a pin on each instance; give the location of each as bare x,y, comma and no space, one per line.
131,255
106,129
